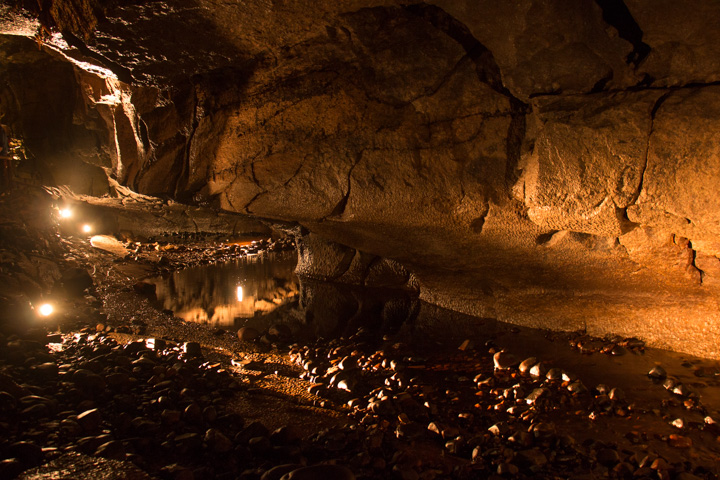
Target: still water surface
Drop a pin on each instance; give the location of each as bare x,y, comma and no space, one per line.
250,291
229,294
247,291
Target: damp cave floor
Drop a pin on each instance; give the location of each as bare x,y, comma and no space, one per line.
641,425
645,431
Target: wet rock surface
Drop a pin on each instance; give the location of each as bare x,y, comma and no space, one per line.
505,154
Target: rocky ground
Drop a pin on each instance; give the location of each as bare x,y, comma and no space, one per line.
111,387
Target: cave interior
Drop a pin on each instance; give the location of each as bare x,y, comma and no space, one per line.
475,239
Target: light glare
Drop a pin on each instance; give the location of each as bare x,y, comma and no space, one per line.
239,293
65,213
86,228
46,309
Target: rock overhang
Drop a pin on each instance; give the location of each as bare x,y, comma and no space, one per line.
539,164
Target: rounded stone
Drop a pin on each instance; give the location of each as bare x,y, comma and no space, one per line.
657,373
10,468
90,420
320,472
193,413
504,360
259,445
28,453
607,457
527,364
217,441
248,334
113,450
277,472
192,349
538,370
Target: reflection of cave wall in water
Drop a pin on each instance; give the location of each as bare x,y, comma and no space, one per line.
209,294
334,309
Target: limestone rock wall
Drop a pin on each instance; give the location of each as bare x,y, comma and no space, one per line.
546,163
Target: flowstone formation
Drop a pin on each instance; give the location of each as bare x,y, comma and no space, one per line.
540,163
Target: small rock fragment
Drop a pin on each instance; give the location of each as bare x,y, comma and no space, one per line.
679,441
466,345
192,349
535,395
527,364
248,334
504,360
538,370
317,472
657,373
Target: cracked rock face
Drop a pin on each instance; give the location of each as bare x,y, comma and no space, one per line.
537,162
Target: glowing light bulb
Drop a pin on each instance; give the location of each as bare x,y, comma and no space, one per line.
239,293
86,228
46,309
65,213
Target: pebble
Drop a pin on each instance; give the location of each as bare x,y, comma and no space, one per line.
577,387
217,441
466,345
618,350
248,334
682,390
538,370
657,373
27,453
679,441
90,420
616,394
527,364
276,473
320,472
504,360
112,450
259,445
535,395
11,468
500,429
192,349
678,423
348,363
193,413
607,456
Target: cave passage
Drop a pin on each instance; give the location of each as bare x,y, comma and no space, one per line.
270,240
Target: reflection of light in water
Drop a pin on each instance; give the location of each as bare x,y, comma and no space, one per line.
65,213
228,294
46,309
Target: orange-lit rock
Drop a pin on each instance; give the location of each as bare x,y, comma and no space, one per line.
540,163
